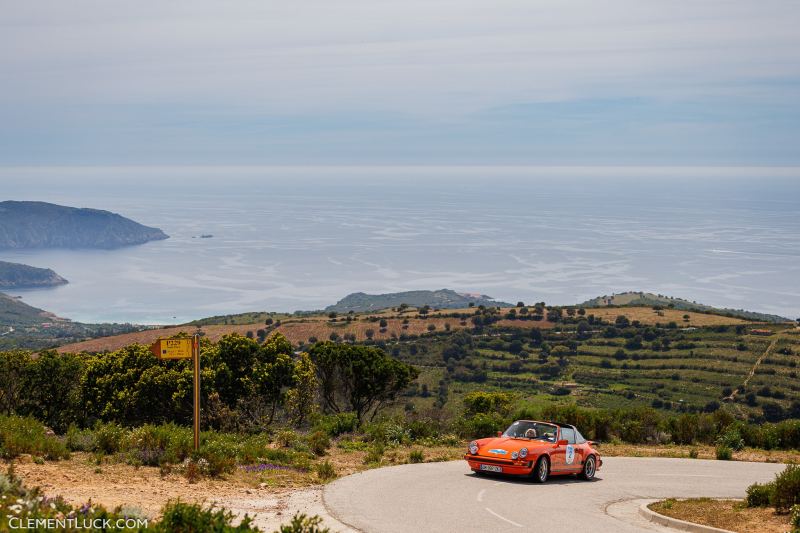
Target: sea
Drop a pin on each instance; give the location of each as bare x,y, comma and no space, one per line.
301,238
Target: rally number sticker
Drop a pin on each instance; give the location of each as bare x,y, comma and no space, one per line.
570,454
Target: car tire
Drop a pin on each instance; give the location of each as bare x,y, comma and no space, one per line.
541,471
589,468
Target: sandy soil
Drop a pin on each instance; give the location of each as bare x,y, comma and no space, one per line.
724,514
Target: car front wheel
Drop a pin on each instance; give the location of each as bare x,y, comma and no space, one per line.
589,468
542,469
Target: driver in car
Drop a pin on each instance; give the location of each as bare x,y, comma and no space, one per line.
530,433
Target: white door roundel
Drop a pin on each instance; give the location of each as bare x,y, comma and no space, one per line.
570,454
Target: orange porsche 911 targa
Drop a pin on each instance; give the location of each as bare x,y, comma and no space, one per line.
535,449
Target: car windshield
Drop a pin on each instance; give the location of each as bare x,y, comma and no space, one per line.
524,429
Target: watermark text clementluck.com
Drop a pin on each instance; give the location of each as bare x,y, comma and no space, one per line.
76,523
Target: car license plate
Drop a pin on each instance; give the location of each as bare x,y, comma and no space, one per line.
491,468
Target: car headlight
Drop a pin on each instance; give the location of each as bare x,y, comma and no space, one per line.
514,455
473,447
523,453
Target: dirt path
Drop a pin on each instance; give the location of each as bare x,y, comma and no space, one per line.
144,490
752,372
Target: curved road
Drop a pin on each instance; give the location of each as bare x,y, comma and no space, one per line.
449,497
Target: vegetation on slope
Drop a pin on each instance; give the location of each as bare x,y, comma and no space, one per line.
18,276
658,300
441,299
44,225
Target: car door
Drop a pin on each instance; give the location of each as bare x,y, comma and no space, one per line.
572,460
558,455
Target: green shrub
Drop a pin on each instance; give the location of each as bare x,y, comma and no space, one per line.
286,438
375,454
693,453
724,453
338,424
481,425
80,440
319,442
387,432
109,438
325,471
794,519
303,524
731,438
153,445
760,495
20,435
218,458
787,489
416,456
186,518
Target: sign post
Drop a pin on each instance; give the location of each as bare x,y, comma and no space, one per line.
196,358
184,348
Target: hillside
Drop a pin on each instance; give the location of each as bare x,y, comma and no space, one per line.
14,312
650,299
441,299
632,356
17,276
44,225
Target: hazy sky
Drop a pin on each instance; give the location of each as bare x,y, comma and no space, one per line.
400,82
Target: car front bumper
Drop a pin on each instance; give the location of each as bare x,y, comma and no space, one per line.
518,467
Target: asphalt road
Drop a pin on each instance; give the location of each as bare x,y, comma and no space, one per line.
445,497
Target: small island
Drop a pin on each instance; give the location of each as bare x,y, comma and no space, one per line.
18,276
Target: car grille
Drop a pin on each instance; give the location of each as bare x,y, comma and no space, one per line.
492,460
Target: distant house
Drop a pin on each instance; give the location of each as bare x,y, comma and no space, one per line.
761,332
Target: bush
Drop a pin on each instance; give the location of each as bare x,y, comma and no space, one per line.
183,517
325,471
482,425
109,437
387,433
286,438
759,495
319,442
693,453
335,425
787,489
20,435
375,454
724,453
80,440
794,520
217,458
303,524
416,456
154,445
731,438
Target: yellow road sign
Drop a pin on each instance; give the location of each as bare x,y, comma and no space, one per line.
172,348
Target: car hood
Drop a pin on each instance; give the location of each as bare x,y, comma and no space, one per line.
502,447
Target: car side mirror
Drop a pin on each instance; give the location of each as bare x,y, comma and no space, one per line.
562,442
499,433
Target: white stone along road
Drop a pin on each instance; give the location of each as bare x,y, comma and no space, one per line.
444,497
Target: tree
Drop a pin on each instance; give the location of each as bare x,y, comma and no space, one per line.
12,370
383,323
359,379
300,400
52,382
273,372
369,333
